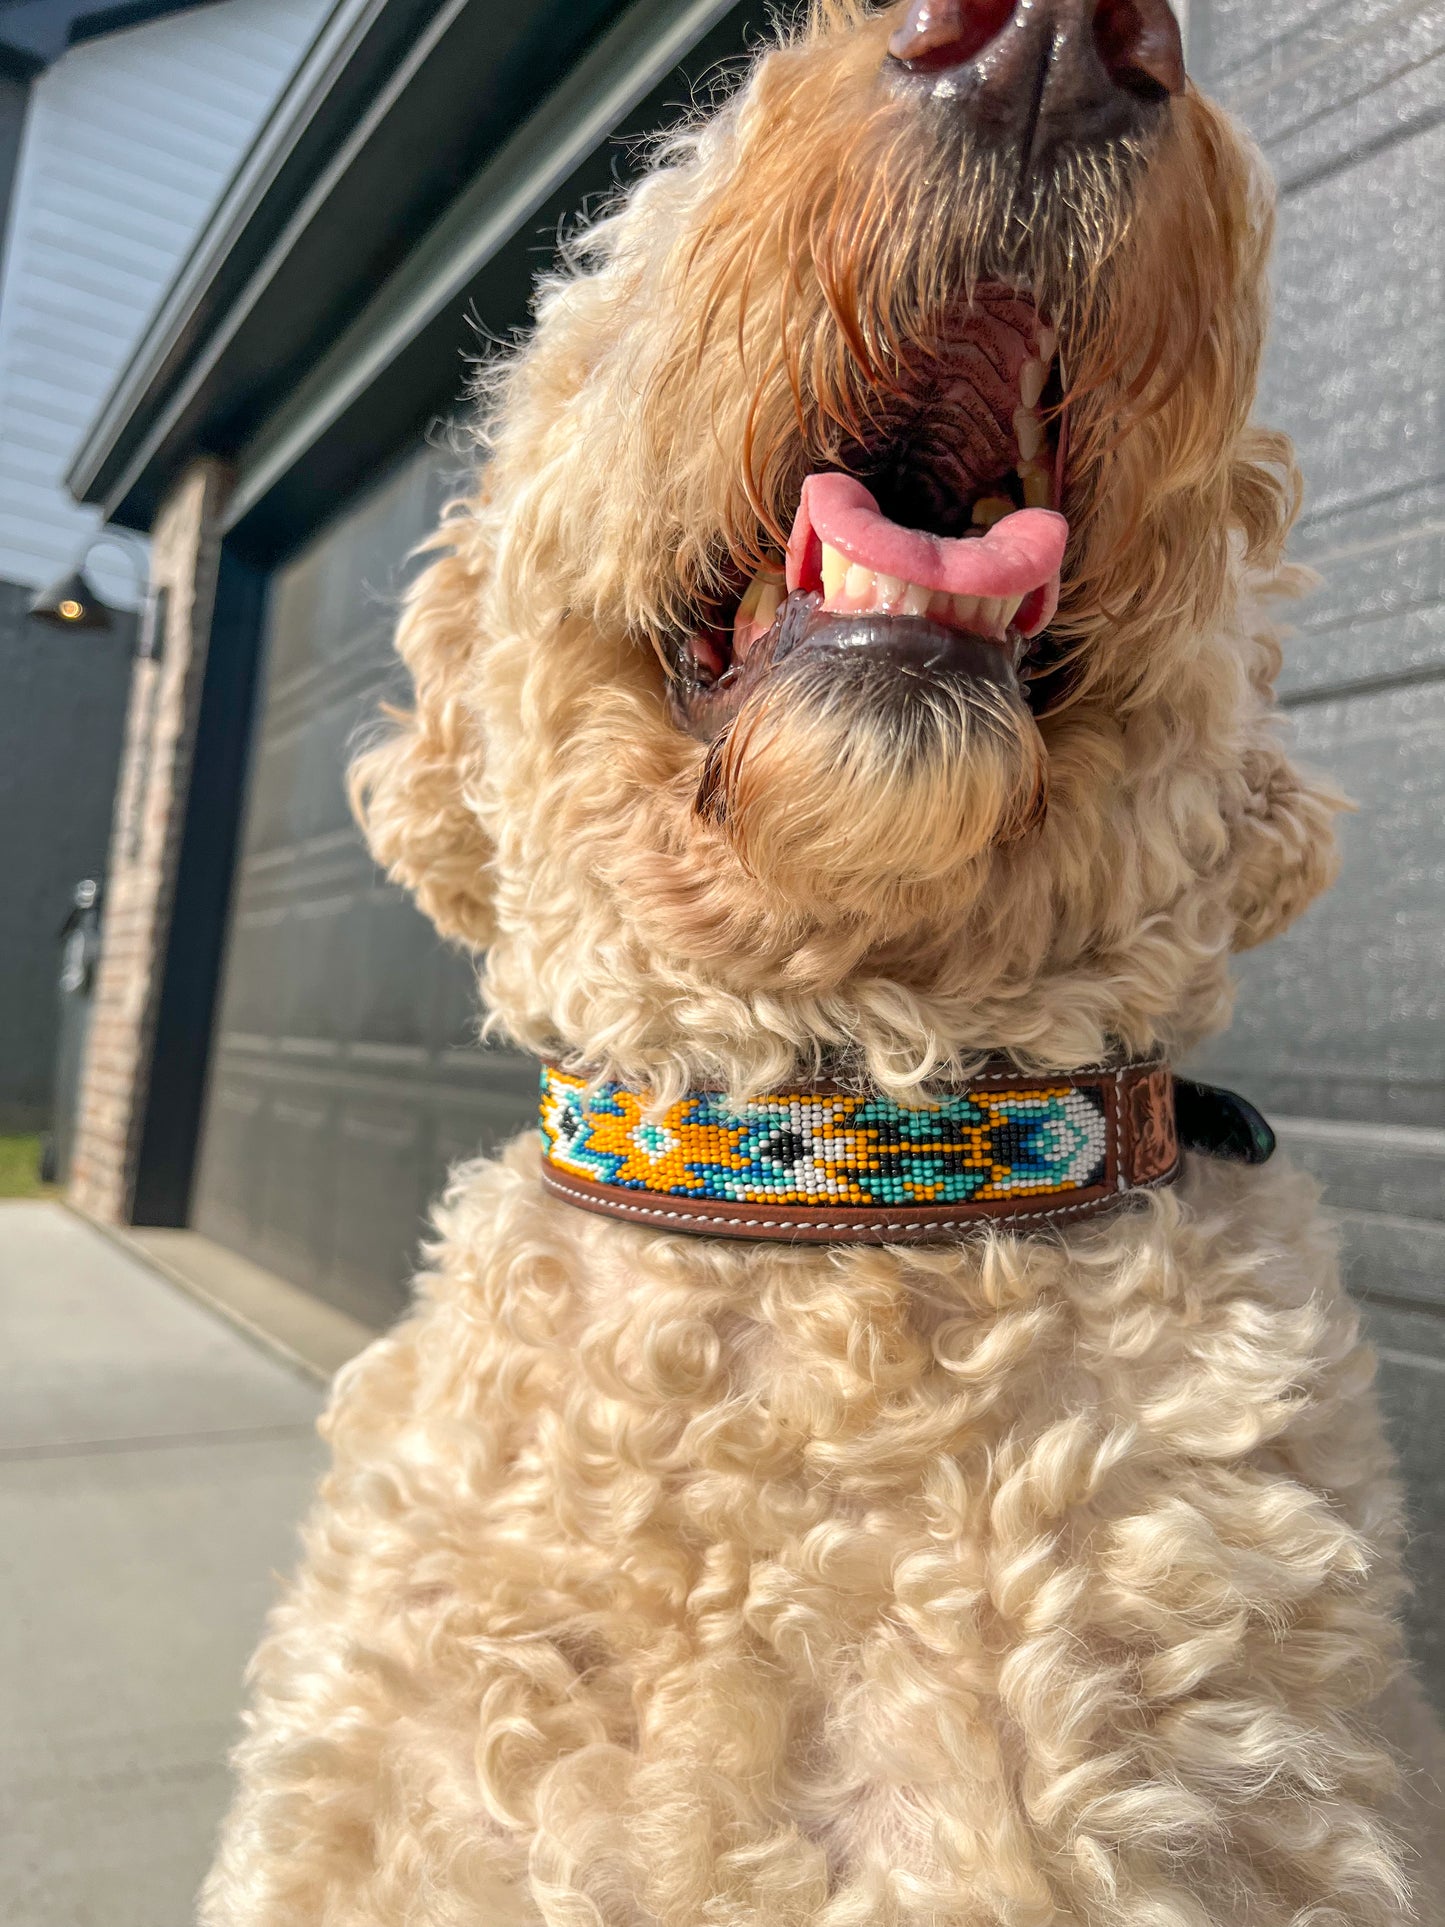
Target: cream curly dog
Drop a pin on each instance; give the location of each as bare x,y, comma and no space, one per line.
851,666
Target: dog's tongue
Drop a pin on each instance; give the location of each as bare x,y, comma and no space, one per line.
1021,556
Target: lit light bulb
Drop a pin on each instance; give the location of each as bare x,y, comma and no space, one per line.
71,610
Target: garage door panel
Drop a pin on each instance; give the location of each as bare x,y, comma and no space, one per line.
395,985
1342,1016
345,1072
319,806
1242,31
253,934
294,623
1353,365
234,1137
1412,1375
1328,89
299,1165
484,1126
1246,48
320,964
457,1012
381,532
275,777
384,1176
1378,610
306,754
362,576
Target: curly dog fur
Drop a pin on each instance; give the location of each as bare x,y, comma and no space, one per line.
1032,1580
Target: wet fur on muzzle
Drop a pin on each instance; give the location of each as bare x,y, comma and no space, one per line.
862,765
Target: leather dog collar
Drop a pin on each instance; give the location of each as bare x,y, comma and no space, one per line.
823,1165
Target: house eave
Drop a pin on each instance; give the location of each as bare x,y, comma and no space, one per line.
344,67
399,108
403,180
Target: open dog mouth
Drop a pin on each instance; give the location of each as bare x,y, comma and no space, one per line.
941,533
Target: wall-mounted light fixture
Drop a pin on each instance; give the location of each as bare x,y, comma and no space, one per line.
73,602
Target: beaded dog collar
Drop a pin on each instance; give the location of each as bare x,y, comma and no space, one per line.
820,1165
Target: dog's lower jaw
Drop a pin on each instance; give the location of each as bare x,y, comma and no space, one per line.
874,763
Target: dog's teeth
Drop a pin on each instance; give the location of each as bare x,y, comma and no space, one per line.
1038,487
860,590
769,603
1032,377
1028,433
1048,345
991,509
858,586
752,596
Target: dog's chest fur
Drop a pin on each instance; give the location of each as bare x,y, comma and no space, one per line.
1026,1580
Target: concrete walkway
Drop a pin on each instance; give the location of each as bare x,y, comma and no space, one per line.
153,1467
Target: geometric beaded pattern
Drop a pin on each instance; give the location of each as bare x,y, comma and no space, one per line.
807,1148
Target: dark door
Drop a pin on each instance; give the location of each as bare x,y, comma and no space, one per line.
345,1074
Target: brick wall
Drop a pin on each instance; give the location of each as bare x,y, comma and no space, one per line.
145,843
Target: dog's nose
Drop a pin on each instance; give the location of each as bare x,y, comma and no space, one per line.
1049,74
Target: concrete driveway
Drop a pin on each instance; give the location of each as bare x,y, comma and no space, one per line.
153,1467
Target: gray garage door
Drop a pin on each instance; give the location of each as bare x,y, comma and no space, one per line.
345,1075
1339,1030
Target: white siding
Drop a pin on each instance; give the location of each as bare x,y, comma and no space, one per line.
129,141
